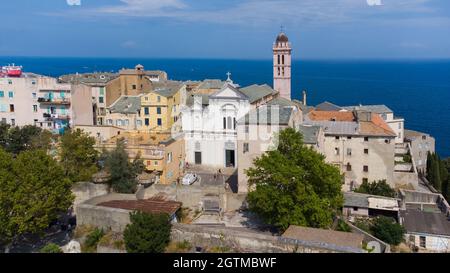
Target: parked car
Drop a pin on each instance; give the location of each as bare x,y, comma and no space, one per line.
189,179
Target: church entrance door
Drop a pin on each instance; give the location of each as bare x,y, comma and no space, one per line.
230,160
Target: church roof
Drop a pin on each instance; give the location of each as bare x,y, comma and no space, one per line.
268,115
282,38
256,92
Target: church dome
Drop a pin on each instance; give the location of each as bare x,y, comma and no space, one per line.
282,38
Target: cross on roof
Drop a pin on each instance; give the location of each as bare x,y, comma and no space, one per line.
281,28
228,75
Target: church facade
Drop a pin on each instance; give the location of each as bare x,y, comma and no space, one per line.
209,127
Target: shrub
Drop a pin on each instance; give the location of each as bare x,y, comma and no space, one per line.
387,230
343,226
51,248
94,237
147,233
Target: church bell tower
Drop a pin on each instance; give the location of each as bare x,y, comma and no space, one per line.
282,66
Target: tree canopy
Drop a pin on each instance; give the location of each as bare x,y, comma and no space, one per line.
387,230
33,192
78,156
123,173
438,173
18,139
380,188
293,185
147,233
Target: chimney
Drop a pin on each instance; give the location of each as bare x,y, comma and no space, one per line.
304,97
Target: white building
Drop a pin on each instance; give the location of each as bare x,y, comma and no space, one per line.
209,127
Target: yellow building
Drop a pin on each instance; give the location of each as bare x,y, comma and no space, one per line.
160,108
163,156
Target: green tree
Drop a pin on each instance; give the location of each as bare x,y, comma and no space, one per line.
18,139
123,173
51,248
293,185
380,188
387,230
78,156
33,193
147,233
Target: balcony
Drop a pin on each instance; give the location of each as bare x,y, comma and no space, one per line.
61,101
49,117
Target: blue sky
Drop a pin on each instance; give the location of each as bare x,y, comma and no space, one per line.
318,29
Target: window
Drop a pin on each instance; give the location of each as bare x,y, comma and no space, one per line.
127,122
336,151
138,123
336,137
118,122
159,122
399,126
33,82
34,95
282,71
158,99
11,94
234,123
147,122
366,139
247,129
423,137
365,168
245,148
3,120
229,123
349,137
146,111
35,122
35,109
2,94
349,151
224,123
282,59
387,141
366,151
365,180
423,241
279,59
169,157
355,208
9,81
349,167
100,99
49,124
13,122
134,86
399,135
110,121
158,110
279,71
155,163
11,108
102,91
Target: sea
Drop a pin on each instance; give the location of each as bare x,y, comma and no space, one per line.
417,90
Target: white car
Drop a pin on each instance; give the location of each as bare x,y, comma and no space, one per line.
189,179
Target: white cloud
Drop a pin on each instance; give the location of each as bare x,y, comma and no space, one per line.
73,2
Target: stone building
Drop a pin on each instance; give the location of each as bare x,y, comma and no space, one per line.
255,134
359,143
420,145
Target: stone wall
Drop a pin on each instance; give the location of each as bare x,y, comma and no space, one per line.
242,240
84,191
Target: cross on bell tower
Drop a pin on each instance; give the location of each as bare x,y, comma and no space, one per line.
282,65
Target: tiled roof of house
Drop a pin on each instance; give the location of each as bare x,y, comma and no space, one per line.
379,109
337,238
327,106
310,133
426,222
256,92
331,116
268,115
126,105
92,79
375,127
152,205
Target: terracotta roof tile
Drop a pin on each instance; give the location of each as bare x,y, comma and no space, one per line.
152,205
331,116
